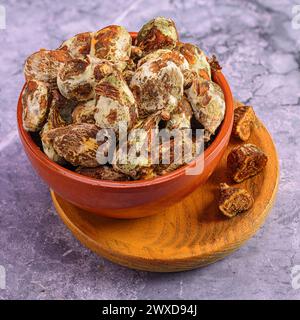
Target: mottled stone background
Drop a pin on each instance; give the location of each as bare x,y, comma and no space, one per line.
259,50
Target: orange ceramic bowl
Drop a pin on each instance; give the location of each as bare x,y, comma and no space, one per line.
132,199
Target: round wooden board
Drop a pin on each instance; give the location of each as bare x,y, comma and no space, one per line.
187,235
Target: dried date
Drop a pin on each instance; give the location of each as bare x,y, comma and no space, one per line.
245,161
234,200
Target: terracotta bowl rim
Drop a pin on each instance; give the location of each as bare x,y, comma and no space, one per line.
209,153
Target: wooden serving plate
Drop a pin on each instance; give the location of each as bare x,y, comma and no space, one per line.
187,235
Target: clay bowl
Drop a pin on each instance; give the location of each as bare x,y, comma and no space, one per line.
132,199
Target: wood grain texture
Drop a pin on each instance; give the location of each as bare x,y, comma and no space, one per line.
187,235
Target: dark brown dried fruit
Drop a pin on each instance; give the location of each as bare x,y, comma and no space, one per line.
244,119
234,200
102,173
245,161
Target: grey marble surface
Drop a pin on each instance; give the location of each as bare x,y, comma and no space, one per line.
259,51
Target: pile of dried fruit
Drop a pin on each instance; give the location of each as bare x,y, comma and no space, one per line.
243,162
95,80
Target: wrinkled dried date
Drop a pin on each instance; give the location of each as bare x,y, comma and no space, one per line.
245,161
234,200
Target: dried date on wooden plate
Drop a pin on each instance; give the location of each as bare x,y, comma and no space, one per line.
245,161
244,120
234,200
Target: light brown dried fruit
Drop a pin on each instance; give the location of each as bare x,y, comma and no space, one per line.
234,200
181,116
77,78
157,85
84,112
196,58
102,69
208,103
35,101
138,162
102,173
112,43
189,76
245,161
244,119
115,103
162,56
158,33
78,46
44,64
76,143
